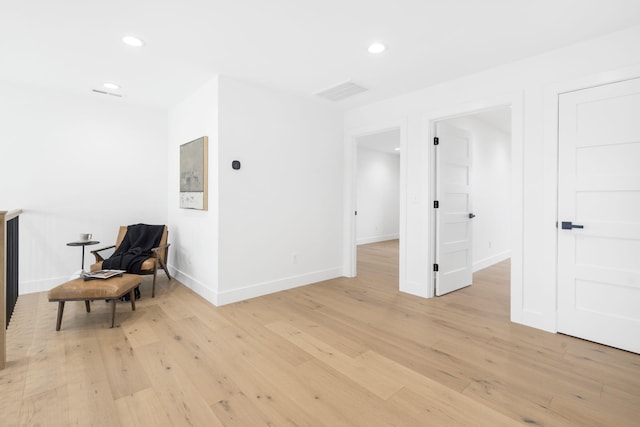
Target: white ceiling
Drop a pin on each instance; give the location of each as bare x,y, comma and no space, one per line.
300,46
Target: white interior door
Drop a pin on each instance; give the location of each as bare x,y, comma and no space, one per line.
453,214
599,189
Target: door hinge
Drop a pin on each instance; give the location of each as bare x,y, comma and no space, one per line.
436,204
356,213
435,267
436,140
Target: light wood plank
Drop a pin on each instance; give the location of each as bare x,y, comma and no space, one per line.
143,408
366,376
344,352
123,366
89,392
181,402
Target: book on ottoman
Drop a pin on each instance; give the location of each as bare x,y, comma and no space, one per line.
102,274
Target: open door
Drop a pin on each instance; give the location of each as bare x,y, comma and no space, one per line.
452,205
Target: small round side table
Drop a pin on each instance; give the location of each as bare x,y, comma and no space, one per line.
83,243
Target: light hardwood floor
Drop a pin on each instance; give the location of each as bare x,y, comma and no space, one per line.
346,352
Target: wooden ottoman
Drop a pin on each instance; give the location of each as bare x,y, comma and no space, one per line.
98,289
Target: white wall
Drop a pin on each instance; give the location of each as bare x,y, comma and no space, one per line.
527,83
281,213
76,164
378,196
193,234
491,191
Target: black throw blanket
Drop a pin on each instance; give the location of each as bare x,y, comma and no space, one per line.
135,248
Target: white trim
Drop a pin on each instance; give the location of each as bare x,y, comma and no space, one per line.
265,288
375,239
549,321
489,261
43,285
349,227
351,171
193,284
516,101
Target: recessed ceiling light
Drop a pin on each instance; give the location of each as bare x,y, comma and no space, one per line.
111,86
132,41
397,148
376,48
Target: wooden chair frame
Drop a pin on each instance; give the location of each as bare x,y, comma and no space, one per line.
159,254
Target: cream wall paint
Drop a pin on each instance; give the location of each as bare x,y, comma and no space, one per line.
527,84
76,164
491,191
281,213
378,196
194,233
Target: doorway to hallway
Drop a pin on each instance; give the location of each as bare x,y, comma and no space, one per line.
472,196
377,191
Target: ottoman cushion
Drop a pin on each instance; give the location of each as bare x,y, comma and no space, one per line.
80,289
88,290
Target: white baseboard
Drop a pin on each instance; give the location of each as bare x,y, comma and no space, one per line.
215,298
535,319
265,288
42,285
415,288
375,239
252,291
489,261
45,285
195,285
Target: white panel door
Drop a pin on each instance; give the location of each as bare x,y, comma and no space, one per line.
454,214
599,189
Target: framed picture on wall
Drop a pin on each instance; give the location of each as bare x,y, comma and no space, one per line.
193,174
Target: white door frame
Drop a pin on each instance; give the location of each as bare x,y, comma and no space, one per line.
351,176
551,145
516,102
422,283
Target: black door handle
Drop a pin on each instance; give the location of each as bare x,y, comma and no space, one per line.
472,215
568,225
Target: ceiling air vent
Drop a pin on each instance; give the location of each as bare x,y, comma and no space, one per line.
103,92
341,91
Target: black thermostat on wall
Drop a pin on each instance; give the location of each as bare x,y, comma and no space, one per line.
235,164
